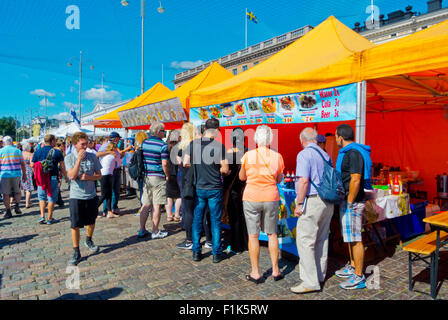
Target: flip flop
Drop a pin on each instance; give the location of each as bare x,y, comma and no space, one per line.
279,277
256,281
177,219
169,219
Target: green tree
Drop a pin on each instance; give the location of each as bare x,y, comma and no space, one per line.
8,126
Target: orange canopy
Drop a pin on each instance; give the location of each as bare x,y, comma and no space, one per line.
111,119
407,103
327,56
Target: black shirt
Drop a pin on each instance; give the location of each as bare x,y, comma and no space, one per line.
353,163
205,157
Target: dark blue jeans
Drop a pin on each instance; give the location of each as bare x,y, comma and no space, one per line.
214,200
116,183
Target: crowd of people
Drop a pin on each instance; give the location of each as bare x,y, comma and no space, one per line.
197,180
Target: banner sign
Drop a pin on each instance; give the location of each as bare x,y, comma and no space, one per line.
165,111
332,104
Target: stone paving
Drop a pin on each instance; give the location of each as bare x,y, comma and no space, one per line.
33,262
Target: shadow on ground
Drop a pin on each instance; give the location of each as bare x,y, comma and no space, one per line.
10,241
424,275
100,295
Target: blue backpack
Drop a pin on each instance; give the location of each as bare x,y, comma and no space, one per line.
330,188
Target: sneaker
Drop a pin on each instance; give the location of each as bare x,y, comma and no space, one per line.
300,289
142,234
346,272
92,247
354,282
8,214
185,245
116,211
75,259
17,209
208,244
159,235
51,221
41,220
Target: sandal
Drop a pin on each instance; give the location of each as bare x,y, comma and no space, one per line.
169,219
177,219
279,277
256,281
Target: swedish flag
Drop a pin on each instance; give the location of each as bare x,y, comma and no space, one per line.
250,15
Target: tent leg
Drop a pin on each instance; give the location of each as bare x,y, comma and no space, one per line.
361,112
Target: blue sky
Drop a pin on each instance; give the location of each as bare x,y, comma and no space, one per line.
36,44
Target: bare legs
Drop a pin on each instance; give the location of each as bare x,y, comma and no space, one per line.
254,254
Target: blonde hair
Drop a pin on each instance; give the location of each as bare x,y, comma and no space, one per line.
111,146
187,134
140,137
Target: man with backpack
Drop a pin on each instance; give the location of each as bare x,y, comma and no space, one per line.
314,214
355,165
48,158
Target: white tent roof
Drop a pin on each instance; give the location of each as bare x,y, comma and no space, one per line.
69,130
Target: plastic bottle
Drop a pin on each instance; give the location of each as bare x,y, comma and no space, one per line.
400,182
390,183
293,180
288,180
396,186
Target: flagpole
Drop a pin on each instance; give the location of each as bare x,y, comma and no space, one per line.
245,18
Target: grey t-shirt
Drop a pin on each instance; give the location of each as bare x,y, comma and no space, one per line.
83,190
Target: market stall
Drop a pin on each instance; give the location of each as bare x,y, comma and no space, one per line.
316,80
172,108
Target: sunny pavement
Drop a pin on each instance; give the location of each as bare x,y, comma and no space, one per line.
33,262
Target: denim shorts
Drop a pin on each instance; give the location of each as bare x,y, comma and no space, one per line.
42,194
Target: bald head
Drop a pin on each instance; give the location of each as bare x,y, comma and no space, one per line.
308,135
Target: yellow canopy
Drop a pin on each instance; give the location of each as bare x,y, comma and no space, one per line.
212,75
327,56
421,51
111,119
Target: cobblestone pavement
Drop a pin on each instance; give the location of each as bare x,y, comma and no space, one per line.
33,262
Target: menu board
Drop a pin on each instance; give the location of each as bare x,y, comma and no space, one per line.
332,104
165,111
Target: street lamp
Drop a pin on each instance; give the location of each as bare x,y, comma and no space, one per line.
160,9
46,115
80,80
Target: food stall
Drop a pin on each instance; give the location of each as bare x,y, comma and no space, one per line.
170,108
318,80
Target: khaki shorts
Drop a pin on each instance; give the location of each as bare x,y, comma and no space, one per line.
10,185
265,213
154,191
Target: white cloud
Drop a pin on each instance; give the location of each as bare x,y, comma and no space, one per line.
72,89
77,82
61,116
186,64
102,94
49,103
42,92
62,94
99,86
70,105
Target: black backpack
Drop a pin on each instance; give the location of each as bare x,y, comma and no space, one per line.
48,164
137,166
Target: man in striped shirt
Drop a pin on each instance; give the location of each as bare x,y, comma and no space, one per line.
12,166
155,157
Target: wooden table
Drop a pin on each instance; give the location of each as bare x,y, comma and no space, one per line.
438,222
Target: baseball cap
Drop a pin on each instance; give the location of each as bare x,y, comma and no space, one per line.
321,138
114,135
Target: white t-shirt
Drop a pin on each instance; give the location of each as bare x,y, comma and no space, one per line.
108,164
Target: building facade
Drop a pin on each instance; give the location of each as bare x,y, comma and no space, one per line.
398,24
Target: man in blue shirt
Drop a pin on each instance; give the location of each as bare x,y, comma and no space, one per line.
155,158
43,195
313,225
